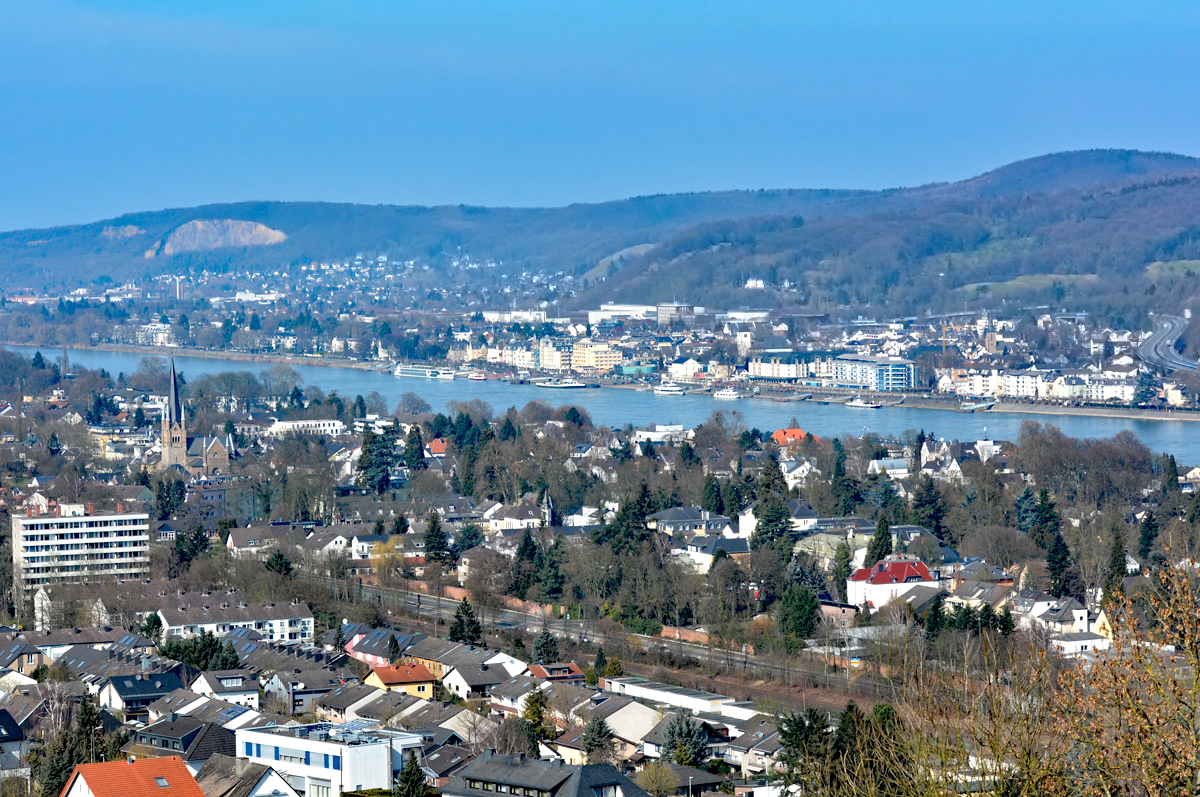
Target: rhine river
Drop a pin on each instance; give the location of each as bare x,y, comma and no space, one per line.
617,408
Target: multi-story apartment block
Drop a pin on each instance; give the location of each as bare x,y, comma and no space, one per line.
874,372
75,544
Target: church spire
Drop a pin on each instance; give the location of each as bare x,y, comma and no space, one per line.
174,410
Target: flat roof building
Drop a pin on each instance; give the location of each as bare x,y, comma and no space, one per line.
75,544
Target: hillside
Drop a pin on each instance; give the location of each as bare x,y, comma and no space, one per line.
1106,212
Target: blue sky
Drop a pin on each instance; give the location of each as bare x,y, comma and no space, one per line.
118,106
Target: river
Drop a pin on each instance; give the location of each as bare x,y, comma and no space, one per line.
612,407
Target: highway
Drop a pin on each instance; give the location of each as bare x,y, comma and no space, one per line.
1159,349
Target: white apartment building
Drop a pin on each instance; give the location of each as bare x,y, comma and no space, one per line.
783,367
554,355
313,427
1024,384
74,544
324,760
874,372
191,615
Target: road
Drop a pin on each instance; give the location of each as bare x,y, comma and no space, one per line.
789,670
1159,349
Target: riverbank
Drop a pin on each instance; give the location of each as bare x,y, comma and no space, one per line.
210,354
769,392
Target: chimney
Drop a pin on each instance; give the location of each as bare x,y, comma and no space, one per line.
130,760
29,511
120,507
91,508
58,510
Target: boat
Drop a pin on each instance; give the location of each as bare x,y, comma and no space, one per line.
669,389
422,373
977,406
858,403
727,394
562,384
477,376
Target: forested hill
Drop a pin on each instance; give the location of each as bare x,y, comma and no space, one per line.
1071,223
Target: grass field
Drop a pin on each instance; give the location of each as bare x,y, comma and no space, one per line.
1031,282
1186,267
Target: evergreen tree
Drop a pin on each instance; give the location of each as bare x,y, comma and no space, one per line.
550,577
1046,524
536,713
545,649
1058,561
628,528
414,449
771,482
684,741
601,661
799,610
87,720
597,741
527,549
774,523
1007,624
842,560
881,544
339,638
1147,533
1116,567
935,618
731,500
470,536
393,649
1147,388
437,546
411,782
152,628
1170,476
928,508
277,562
1026,510
710,497
400,525
466,628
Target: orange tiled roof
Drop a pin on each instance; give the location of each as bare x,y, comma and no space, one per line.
137,778
786,437
403,674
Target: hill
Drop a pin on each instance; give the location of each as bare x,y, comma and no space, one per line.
1110,213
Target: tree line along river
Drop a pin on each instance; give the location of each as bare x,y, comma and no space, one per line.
616,408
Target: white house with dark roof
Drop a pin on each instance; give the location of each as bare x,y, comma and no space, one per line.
235,686
187,616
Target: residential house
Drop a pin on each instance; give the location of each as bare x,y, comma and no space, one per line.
558,672
891,577
299,688
163,777
131,695
235,686
413,679
334,704
688,521
21,656
493,773
226,776
188,615
192,740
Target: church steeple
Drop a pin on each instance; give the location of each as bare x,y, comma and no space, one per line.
174,435
174,411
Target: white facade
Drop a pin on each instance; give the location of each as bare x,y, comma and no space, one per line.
875,373
75,545
324,763
331,428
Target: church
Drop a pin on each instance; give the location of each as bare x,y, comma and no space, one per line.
194,456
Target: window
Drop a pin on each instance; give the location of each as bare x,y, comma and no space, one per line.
162,782
327,760
488,787
307,761
258,751
319,788
473,784
337,762
421,688
249,749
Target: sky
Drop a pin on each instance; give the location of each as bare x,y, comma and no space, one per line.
115,106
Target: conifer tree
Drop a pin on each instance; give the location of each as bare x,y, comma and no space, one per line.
881,544
411,782
1058,561
414,449
597,741
437,545
841,568
1147,533
935,618
465,627
545,650
710,497
601,661
1116,567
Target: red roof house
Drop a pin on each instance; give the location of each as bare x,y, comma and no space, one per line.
891,577
141,777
